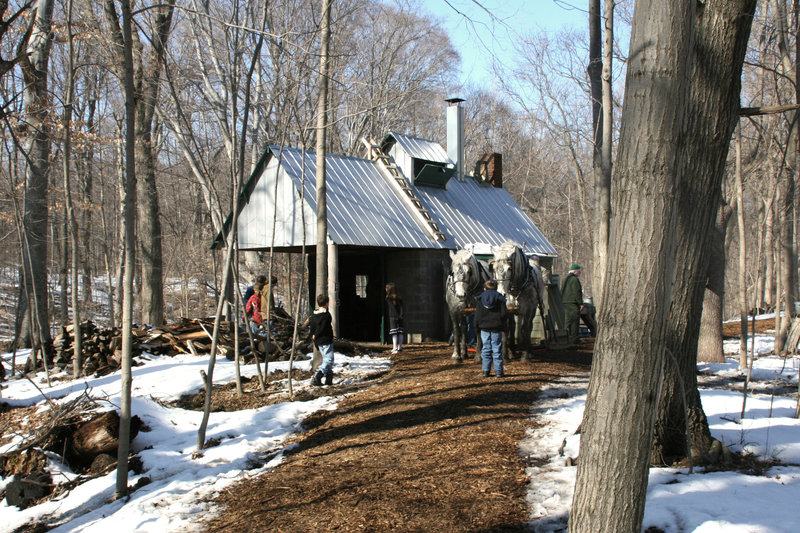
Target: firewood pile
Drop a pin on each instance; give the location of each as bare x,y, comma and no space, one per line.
101,349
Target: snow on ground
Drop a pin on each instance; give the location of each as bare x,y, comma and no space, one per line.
252,441
703,502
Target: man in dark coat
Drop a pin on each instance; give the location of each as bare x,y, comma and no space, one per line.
321,325
490,319
572,297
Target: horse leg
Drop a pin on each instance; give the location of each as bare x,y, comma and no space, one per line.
508,337
457,339
478,345
525,332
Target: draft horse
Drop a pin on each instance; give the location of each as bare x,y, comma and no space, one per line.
464,282
523,287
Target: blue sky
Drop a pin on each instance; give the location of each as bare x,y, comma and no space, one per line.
473,30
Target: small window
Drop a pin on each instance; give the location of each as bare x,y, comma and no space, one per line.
361,285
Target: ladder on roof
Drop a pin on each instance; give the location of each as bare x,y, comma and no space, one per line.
400,185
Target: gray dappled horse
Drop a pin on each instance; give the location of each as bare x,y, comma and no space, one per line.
464,282
523,287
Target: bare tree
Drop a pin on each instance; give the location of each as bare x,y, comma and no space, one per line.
709,343
721,31
35,66
72,223
147,79
788,281
621,406
600,71
124,41
320,178
6,24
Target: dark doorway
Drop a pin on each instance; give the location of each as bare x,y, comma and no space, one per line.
360,295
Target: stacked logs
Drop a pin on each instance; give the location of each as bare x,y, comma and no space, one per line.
101,348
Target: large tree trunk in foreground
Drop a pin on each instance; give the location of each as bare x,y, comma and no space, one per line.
621,403
722,28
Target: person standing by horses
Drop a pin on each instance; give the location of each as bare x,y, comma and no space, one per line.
321,325
572,298
395,312
490,319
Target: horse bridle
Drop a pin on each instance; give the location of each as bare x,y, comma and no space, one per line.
475,288
515,290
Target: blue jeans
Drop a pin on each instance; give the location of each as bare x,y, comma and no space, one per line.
326,350
492,349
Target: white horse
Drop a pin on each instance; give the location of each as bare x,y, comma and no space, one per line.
464,282
523,287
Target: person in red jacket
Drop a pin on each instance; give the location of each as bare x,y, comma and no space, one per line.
253,308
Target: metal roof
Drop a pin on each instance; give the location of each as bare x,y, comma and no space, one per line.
419,148
364,210
471,212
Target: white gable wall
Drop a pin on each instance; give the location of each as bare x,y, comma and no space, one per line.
255,220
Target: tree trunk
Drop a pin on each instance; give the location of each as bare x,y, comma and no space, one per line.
768,289
604,197
709,344
149,219
602,113
788,281
322,119
35,71
321,284
122,39
72,223
722,28
784,208
149,231
620,409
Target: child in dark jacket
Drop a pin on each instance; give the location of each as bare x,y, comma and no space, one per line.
490,319
322,336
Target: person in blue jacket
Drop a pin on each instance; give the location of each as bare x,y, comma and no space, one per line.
490,319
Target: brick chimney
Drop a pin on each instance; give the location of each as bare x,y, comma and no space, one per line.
490,168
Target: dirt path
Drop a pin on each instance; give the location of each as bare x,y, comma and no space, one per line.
432,447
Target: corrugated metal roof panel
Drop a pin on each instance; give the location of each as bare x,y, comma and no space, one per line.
421,148
363,210
469,212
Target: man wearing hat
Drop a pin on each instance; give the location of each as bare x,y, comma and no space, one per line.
572,297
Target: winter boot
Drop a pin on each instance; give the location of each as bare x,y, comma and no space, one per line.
329,379
317,379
